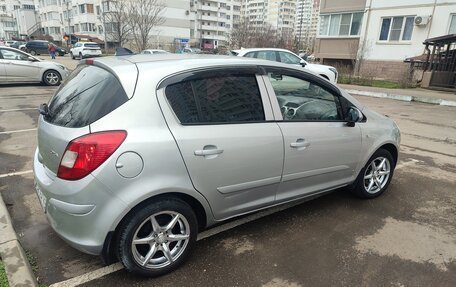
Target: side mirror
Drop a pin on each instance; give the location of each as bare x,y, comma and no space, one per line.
354,116
303,63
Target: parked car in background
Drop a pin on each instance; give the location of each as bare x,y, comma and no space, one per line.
191,51
17,66
135,157
288,57
37,47
60,51
154,51
16,44
22,47
83,50
8,43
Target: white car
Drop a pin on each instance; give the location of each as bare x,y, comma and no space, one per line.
288,57
17,66
82,50
9,43
154,51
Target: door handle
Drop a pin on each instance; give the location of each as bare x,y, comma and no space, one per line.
205,152
300,144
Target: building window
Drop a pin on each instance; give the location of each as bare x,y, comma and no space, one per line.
396,28
347,24
90,8
452,29
82,9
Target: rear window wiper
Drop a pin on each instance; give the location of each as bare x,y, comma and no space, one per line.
44,110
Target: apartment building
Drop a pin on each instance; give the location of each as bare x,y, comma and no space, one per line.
384,33
280,14
306,23
84,19
213,21
17,17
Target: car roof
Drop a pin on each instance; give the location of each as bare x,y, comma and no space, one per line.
245,50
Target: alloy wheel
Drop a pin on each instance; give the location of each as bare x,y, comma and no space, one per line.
160,239
52,78
376,175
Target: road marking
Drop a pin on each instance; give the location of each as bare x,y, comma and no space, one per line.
411,161
22,96
18,110
17,131
96,274
15,173
84,278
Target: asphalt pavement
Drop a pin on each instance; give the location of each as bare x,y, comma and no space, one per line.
406,237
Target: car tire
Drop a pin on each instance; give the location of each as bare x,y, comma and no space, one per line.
33,52
72,56
154,240
80,56
375,177
52,78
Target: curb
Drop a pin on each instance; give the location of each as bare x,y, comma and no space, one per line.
404,98
17,267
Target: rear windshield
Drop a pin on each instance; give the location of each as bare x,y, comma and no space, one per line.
92,45
89,94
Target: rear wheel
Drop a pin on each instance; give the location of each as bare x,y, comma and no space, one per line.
51,78
375,177
158,238
33,52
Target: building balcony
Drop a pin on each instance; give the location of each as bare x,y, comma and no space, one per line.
211,18
209,8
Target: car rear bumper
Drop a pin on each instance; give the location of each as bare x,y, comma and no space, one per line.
81,212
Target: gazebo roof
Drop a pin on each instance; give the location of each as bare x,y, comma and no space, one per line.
446,39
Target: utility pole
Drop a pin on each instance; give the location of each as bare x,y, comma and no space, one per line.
68,18
103,13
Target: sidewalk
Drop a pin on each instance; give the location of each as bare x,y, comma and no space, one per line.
17,267
416,95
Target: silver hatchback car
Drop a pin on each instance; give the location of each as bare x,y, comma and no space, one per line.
136,155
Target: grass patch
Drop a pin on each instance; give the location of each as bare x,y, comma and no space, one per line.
369,82
3,278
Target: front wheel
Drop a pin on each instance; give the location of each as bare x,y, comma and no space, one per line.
376,175
51,78
80,56
33,52
157,238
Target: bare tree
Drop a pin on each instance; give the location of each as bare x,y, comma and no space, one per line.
144,15
246,34
117,21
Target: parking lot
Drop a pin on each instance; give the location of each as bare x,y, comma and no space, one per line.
407,237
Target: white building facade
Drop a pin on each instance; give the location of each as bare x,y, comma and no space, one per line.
306,23
393,32
212,22
383,33
280,14
84,19
17,18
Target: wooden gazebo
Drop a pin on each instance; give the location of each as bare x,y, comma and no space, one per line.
440,65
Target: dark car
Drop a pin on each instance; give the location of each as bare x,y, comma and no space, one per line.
37,47
60,51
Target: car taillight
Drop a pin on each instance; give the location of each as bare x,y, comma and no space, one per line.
85,154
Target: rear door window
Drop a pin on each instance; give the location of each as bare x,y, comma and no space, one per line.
219,99
89,94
